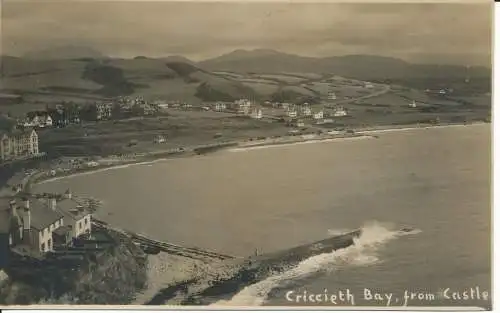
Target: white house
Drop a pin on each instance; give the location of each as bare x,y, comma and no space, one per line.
243,106
306,111
318,115
75,215
412,104
48,121
291,113
38,222
369,85
219,107
159,139
332,95
339,112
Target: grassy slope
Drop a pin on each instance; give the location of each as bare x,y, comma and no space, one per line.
49,81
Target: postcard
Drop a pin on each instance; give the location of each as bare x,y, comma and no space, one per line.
229,154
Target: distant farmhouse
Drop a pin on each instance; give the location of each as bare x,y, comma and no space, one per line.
18,143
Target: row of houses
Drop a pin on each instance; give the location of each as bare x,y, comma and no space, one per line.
59,116
307,112
37,225
240,106
64,115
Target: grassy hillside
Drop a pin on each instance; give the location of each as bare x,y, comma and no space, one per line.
87,79
260,74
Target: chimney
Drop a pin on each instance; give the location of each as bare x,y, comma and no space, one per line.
52,203
13,209
27,219
26,203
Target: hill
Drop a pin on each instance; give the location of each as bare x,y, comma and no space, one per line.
88,79
260,74
362,67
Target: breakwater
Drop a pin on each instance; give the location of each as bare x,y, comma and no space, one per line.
253,269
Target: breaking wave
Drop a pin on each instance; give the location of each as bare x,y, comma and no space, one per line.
362,253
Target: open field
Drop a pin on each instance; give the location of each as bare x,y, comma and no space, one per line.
181,129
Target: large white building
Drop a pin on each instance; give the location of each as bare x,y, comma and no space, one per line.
18,143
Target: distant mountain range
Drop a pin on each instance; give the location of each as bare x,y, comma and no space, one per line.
356,66
272,61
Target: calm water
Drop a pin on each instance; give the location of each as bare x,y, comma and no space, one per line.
436,180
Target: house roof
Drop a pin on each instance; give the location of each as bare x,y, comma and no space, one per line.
71,209
63,230
41,215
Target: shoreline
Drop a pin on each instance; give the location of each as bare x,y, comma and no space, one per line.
164,282
236,146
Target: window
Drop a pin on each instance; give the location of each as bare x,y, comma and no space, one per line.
80,224
49,244
42,247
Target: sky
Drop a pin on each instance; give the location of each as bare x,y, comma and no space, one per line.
456,33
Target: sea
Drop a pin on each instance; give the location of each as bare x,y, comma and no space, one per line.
436,182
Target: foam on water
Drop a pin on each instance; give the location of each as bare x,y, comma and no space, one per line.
362,253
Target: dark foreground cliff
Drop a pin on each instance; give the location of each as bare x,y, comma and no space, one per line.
111,276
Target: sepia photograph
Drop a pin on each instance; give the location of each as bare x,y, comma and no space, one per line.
239,154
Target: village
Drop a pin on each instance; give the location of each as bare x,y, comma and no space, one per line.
59,226
64,114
